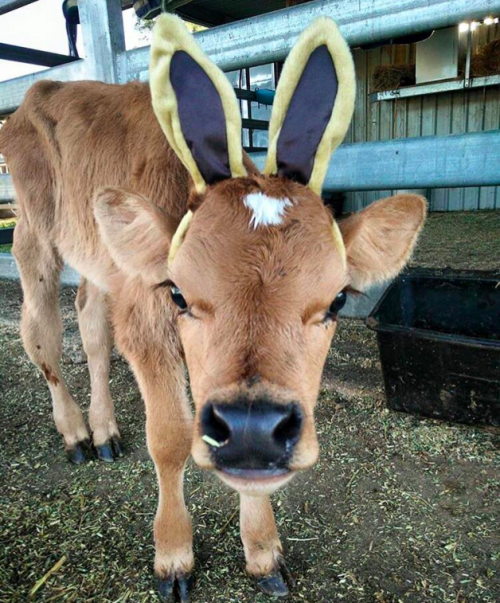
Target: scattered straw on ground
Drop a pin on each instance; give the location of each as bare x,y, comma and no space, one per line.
399,509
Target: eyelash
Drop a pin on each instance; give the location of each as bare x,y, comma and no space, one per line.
338,303
176,296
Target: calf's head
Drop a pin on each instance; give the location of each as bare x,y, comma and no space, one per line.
258,267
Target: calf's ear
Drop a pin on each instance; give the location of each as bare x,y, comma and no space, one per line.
379,240
136,233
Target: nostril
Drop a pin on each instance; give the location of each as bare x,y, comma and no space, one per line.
287,431
214,426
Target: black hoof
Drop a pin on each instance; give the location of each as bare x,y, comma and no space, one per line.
117,447
276,584
80,453
110,451
175,589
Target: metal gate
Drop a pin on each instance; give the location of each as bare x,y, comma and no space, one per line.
462,160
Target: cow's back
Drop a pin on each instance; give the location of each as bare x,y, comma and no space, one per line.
67,140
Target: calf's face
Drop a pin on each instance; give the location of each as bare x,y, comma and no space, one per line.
259,315
258,268
259,310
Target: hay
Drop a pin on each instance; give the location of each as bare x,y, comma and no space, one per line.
392,77
483,63
487,60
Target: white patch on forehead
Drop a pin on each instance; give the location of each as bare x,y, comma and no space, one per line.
267,211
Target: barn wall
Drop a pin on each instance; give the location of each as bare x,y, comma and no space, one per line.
438,114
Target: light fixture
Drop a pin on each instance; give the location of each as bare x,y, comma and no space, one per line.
489,21
474,25
463,27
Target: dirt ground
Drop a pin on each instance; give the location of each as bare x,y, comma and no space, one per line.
398,509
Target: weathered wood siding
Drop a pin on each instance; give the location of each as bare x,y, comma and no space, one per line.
437,114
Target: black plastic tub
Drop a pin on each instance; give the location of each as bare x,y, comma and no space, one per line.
439,340
6,235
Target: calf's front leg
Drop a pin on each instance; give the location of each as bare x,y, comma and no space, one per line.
146,334
169,433
263,550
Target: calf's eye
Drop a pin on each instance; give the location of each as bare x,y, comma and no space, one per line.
337,304
178,298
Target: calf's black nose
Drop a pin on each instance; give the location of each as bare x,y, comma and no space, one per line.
251,436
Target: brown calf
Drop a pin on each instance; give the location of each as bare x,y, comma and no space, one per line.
246,285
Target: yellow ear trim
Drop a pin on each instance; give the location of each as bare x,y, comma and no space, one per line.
179,235
169,36
339,242
322,31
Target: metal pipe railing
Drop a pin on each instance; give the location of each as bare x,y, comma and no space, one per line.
458,160
9,52
454,161
103,38
12,91
269,37
7,5
104,41
6,189
451,161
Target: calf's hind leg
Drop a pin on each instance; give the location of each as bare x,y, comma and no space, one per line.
41,330
97,343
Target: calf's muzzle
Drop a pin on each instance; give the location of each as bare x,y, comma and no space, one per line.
251,439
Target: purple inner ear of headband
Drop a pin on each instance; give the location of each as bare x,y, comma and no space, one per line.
201,116
307,117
